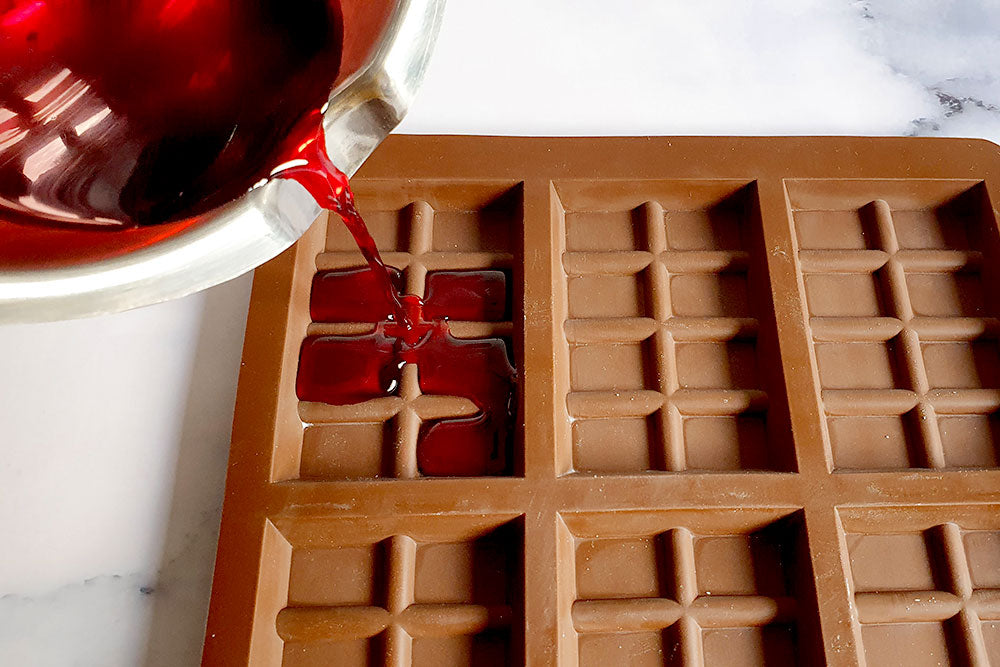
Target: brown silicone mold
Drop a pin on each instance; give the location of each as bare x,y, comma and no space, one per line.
759,392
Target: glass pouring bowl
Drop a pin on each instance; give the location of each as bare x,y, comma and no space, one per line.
123,189
133,112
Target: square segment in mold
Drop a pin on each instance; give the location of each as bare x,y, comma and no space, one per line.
347,450
608,296
607,231
962,364
947,294
613,366
848,294
750,647
617,445
710,294
730,364
860,442
852,229
738,442
862,365
982,549
907,644
896,562
970,441
644,649
489,222
949,222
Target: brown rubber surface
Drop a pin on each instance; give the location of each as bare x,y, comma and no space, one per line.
759,416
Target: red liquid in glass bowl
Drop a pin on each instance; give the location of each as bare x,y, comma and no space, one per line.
137,112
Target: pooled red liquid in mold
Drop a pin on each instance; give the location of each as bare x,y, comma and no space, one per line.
349,369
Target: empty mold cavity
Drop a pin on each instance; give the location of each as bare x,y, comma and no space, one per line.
428,231
430,592
904,332
925,587
671,353
661,589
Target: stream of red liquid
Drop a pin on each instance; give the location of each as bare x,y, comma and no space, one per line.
349,369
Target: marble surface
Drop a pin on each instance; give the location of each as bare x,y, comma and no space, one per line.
114,430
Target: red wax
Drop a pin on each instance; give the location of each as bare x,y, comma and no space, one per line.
142,111
478,370
308,164
477,296
348,369
352,295
355,295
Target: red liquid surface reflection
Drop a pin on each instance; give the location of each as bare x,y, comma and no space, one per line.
350,369
141,111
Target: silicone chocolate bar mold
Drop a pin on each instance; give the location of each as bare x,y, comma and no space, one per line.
758,389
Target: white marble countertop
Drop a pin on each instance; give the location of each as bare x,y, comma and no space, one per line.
114,430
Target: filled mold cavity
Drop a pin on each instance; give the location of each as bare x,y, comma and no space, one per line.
440,399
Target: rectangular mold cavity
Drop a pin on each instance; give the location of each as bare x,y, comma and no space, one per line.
687,588
423,228
924,582
435,590
904,332
670,338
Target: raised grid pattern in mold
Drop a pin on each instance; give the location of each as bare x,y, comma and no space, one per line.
661,593
475,227
359,596
664,297
897,290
